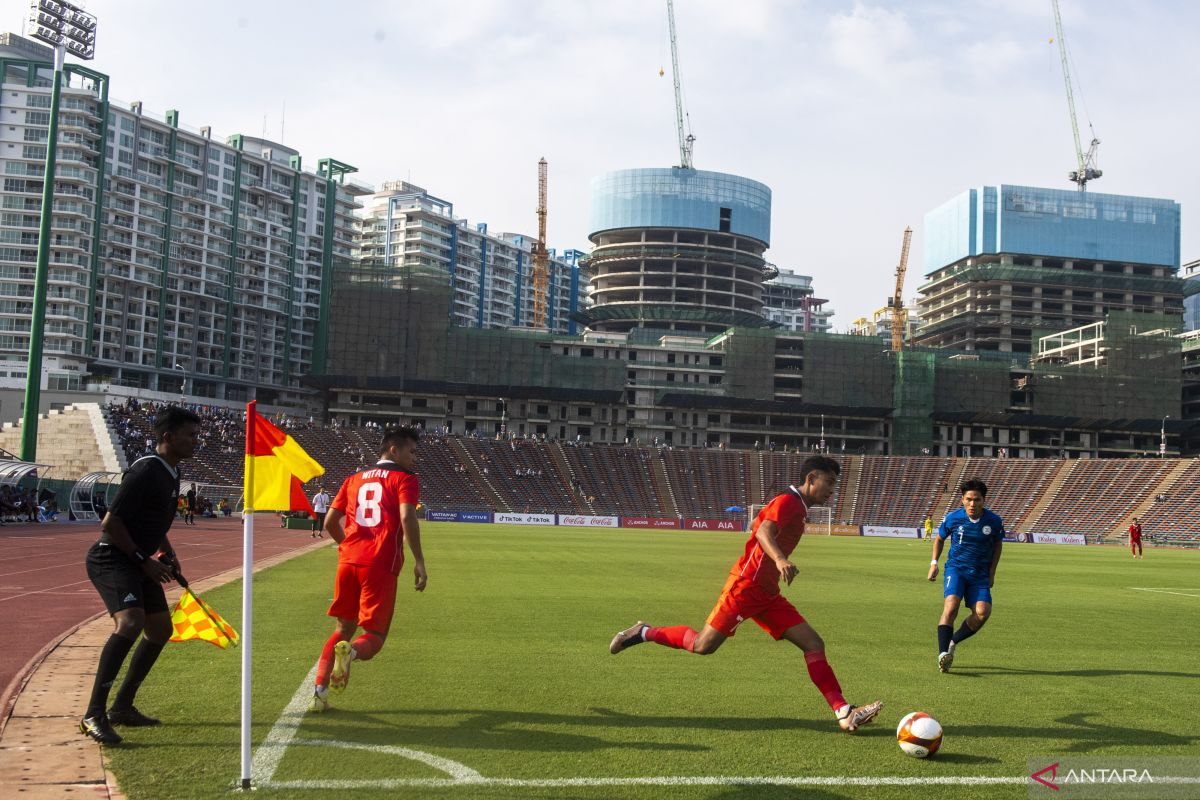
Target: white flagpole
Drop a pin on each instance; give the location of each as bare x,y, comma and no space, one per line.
247,635
247,592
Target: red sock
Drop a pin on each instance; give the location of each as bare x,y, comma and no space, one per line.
680,637
325,665
366,646
826,682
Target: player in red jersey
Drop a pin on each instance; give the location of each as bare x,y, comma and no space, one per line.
752,592
1135,538
379,506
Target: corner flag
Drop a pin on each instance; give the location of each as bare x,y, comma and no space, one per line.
276,470
276,467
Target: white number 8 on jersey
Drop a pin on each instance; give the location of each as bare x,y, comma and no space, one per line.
367,510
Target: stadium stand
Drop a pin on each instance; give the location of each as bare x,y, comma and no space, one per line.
900,491
1014,486
1172,517
1100,493
616,479
706,482
1092,497
780,471
525,475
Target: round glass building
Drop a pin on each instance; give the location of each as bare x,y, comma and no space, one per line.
677,249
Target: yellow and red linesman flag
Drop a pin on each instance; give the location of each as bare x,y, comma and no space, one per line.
192,618
276,467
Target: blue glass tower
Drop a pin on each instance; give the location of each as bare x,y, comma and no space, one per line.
677,249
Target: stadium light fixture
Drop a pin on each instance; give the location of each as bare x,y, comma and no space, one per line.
68,29
1162,441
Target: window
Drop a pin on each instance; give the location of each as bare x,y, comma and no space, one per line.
726,218
472,405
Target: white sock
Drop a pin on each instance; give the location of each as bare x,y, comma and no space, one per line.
321,691
843,711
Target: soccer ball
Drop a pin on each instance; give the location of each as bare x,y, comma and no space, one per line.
919,735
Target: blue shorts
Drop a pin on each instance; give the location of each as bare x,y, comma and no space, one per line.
970,588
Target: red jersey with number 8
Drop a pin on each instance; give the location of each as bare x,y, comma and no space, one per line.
371,502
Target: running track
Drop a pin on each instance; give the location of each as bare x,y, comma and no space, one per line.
45,591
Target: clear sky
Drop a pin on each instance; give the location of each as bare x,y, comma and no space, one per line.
860,116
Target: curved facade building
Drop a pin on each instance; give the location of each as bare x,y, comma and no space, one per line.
677,249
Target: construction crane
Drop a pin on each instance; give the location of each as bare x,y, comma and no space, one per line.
1085,163
541,257
899,315
686,140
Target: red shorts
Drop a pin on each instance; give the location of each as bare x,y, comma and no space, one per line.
366,594
742,599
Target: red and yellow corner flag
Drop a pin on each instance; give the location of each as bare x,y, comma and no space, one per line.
192,618
276,467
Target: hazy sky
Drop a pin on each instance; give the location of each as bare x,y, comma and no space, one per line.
860,116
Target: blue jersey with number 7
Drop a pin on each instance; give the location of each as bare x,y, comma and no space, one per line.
971,542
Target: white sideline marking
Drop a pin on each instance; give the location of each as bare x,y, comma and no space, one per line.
267,757
283,735
680,780
1164,590
459,773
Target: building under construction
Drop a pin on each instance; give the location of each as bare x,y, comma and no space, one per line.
1004,263
1110,391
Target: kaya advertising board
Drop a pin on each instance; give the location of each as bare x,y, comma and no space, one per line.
891,532
586,521
524,519
1059,538
649,522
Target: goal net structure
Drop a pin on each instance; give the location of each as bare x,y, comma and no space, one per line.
820,520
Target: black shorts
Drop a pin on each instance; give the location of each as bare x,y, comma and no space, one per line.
121,583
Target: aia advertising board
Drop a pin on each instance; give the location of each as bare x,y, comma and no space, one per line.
713,525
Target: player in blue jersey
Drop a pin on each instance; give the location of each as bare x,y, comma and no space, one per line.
976,538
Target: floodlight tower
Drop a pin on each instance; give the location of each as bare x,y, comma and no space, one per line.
66,28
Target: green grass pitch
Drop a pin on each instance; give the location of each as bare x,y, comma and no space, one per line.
503,667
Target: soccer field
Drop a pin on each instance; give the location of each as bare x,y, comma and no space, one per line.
497,681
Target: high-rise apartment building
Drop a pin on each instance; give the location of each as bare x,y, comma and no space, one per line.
790,301
491,273
178,261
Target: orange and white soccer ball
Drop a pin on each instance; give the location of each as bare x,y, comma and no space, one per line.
919,735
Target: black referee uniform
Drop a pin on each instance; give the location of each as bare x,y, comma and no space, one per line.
146,506
147,503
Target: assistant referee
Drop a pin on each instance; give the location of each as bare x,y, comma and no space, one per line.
129,565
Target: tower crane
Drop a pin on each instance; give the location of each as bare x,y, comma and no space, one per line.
686,140
1085,163
541,257
899,315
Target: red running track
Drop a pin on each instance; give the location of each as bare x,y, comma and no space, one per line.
45,591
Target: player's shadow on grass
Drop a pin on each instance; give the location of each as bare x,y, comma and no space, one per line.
483,730
976,672
1082,735
540,732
